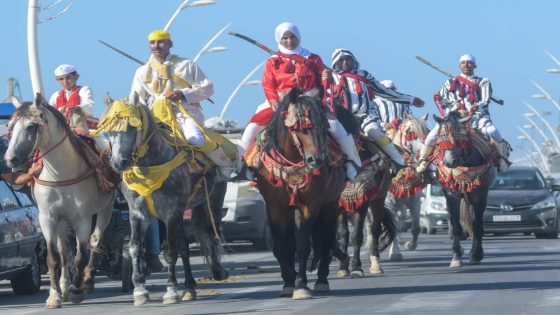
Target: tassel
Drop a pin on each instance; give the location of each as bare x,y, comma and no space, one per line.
293,197
317,172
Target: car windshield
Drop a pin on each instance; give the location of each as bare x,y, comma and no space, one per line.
519,180
436,190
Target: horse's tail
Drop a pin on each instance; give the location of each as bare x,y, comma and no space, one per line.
467,216
389,229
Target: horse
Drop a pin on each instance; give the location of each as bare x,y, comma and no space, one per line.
406,186
365,192
300,176
66,193
138,149
466,168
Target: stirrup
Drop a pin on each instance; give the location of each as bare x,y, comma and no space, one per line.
242,175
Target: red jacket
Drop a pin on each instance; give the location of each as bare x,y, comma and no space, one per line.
280,75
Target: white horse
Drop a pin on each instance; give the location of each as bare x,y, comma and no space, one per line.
66,193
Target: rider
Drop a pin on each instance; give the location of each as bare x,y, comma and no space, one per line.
294,66
472,93
358,88
12,176
168,80
71,94
391,109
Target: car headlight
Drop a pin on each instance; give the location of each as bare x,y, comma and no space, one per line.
438,206
549,202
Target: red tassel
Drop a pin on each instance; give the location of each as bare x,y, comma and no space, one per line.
317,172
293,197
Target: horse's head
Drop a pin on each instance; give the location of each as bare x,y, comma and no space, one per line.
25,130
411,134
299,129
126,124
454,139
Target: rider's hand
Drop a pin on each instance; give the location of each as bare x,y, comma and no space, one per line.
417,102
175,96
326,75
274,105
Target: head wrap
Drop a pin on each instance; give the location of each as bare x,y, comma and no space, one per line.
64,70
279,32
341,52
389,84
159,35
468,57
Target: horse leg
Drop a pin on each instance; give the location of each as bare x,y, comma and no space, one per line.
453,204
394,249
477,253
208,235
378,211
343,236
282,229
139,223
176,240
357,239
62,244
76,293
53,260
303,250
326,228
103,218
414,206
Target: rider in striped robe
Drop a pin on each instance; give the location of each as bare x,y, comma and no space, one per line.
357,89
472,93
391,109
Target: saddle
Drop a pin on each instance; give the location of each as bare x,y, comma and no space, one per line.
372,178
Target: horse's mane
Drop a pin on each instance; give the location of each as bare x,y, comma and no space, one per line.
317,116
419,125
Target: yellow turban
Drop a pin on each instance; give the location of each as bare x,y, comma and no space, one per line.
159,35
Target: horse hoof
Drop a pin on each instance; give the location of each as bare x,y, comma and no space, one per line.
342,273
88,288
321,287
396,257
375,267
410,245
53,302
76,298
141,296
474,261
64,296
302,294
287,291
189,295
456,263
357,274
220,275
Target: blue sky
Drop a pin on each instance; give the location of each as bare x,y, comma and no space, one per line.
508,39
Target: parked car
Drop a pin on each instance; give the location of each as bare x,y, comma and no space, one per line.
22,246
433,209
244,216
522,201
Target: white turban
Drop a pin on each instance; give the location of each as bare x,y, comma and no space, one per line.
63,70
279,32
389,84
341,52
468,57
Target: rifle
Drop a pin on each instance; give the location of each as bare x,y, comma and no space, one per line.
449,75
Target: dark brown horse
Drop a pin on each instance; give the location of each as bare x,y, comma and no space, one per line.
366,192
465,164
301,184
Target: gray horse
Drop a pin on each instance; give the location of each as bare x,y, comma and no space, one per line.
66,193
139,149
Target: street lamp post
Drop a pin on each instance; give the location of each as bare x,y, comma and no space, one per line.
553,70
206,48
243,82
545,95
546,123
183,6
526,136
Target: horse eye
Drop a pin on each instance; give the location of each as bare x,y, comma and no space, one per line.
31,128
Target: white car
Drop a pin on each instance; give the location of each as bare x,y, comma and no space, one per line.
433,209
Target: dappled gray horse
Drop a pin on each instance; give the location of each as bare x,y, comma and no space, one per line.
158,182
66,193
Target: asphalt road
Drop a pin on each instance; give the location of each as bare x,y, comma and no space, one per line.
519,275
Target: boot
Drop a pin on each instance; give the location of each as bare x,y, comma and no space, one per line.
391,150
224,163
153,263
353,162
423,163
503,149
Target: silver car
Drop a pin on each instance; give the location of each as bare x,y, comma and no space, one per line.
433,209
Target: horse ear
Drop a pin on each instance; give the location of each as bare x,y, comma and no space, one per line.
438,119
134,100
107,99
39,100
16,101
425,117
